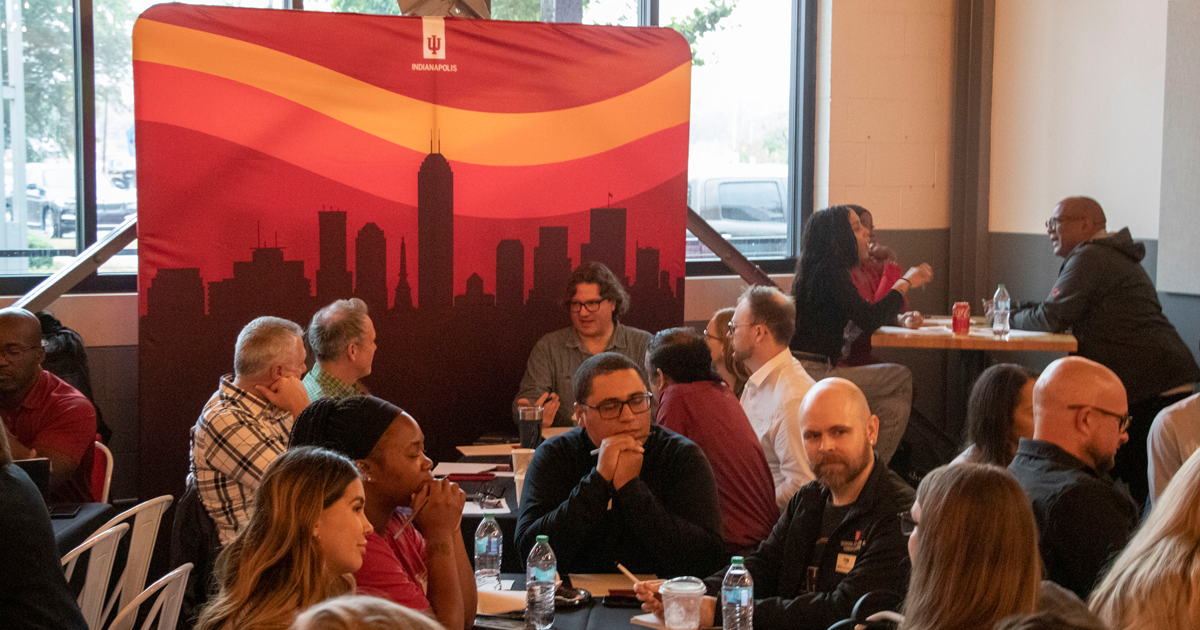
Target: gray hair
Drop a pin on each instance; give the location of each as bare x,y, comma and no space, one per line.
264,342
337,326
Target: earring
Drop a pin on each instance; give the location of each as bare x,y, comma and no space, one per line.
366,477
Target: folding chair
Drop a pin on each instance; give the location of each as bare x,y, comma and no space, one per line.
166,605
103,547
102,473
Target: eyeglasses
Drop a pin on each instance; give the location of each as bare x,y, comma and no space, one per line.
611,409
13,352
709,335
1123,418
908,524
733,326
590,306
1053,222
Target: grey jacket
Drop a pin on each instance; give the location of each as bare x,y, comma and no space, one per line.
1104,296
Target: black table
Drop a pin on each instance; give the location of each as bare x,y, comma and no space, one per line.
69,533
593,616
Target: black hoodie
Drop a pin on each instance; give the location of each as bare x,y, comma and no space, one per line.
1104,296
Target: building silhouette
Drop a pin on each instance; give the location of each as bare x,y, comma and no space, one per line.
607,238
267,284
370,267
551,265
334,281
510,274
404,301
474,298
179,292
435,234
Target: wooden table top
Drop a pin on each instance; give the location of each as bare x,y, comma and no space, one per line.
935,334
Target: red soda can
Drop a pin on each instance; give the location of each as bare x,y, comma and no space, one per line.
962,317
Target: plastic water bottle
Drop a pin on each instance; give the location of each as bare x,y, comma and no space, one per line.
737,596
540,571
1000,310
489,541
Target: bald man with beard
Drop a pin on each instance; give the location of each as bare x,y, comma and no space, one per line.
839,538
1080,420
1106,299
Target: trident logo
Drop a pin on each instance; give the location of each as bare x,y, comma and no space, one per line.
434,43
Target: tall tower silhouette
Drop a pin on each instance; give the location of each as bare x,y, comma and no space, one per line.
435,234
370,266
334,281
607,241
403,288
510,273
551,265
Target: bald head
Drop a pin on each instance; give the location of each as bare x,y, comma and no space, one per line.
23,324
838,432
1075,220
1077,404
1086,208
21,344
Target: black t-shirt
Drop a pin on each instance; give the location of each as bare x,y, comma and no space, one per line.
33,592
831,517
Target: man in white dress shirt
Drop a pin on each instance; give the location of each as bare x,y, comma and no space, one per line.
759,333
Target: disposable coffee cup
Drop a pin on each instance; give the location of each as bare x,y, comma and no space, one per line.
519,481
520,459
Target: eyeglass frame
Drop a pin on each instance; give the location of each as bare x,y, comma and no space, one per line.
708,335
590,306
649,399
10,355
1123,419
908,524
733,326
1053,222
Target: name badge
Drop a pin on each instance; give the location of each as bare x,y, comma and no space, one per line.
845,562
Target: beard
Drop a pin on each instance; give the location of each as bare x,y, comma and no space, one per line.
1105,462
834,470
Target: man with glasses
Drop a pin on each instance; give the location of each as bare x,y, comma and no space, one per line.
759,333
1106,299
1080,418
596,301
620,488
43,415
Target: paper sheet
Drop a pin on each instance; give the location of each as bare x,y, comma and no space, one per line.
599,584
498,602
924,330
1012,334
475,450
471,508
649,620
455,468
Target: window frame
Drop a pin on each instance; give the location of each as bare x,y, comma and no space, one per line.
801,140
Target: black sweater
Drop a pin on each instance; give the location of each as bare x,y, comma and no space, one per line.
821,322
870,534
665,521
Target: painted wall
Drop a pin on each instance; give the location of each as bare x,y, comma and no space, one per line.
1077,109
887,90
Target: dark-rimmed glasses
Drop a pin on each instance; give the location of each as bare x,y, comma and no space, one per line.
590,306
611,409
733,326
13,352
1052,222
908,524
1123,418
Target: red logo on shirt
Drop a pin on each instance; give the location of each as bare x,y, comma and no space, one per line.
1054,292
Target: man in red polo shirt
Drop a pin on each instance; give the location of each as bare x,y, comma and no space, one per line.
44,416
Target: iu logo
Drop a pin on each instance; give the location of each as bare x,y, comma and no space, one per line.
433,41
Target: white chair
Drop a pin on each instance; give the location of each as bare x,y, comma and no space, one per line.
166,606
107,456
103,548
144,519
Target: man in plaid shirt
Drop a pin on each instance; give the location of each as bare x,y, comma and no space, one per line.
343,339
248,422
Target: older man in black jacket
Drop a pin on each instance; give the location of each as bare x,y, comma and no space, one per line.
840,535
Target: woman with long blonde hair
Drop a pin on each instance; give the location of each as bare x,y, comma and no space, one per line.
974,550
304,539
1155,583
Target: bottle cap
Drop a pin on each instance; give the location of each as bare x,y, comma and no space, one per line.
543,539
737,560
1001,285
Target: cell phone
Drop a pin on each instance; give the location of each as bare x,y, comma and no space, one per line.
64,511
620,601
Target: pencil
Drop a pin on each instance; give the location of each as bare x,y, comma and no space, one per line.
635,579
411,519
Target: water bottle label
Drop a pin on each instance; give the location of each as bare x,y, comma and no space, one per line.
543,575
481,546
741,596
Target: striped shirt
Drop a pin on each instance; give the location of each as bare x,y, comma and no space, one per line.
321,384
237,436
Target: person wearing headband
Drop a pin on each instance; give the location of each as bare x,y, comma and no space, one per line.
415,555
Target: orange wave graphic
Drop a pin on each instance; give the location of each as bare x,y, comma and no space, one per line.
483,138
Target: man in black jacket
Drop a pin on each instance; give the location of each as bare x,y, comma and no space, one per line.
1106,299
840,535
619,489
